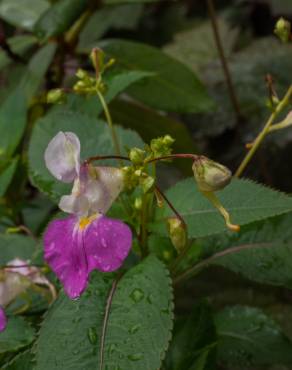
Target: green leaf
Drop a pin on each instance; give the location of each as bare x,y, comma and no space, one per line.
22,13
137,331
94,137
261,251
12,122
18,334
196,46
248,337
36,70
174,86
150,124
22,361
59,18
19,45
37,212
7,175
245,200
117,17
268,263
13,245
194,341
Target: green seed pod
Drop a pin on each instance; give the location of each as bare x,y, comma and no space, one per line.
177,233
210,175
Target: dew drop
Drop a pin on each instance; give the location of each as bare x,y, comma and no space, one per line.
137,295
134,328
136,357
92,336
112,348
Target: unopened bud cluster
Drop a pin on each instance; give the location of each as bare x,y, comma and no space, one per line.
161,146
87,85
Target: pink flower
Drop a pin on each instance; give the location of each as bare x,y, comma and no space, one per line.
86,240
3,320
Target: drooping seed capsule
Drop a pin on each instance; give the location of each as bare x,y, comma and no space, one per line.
177,232
210,175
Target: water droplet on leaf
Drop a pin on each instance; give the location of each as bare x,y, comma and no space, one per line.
137,295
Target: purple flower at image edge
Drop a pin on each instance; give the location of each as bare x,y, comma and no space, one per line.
86,240
3,319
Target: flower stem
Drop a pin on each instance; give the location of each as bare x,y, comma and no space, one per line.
264,132
102,157
174,156
171,206
110,123
232,93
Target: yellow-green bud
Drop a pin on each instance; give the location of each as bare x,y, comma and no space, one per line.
283,30
210,175
81,74
147,183
168,140
138,203
56,96
161,146
177,232
137,156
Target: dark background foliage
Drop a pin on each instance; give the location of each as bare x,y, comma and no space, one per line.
235,315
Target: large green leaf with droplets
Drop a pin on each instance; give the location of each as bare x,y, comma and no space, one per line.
95,139
261,251
137,331
245,200
247,337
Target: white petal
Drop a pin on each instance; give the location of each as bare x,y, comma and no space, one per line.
75,204
62,156
103,190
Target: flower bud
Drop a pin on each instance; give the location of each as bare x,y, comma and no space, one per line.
177,232
283,30
138,203
161,146
210,175
147,183
56,96
81,74
137,156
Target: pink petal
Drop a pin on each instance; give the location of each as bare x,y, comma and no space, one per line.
3,319
107,243
65,253
73,251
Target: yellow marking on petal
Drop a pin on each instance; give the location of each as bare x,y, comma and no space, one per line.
85,221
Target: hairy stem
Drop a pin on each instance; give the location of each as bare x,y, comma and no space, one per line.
174,156
110,123
231,90
264,132
170,205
